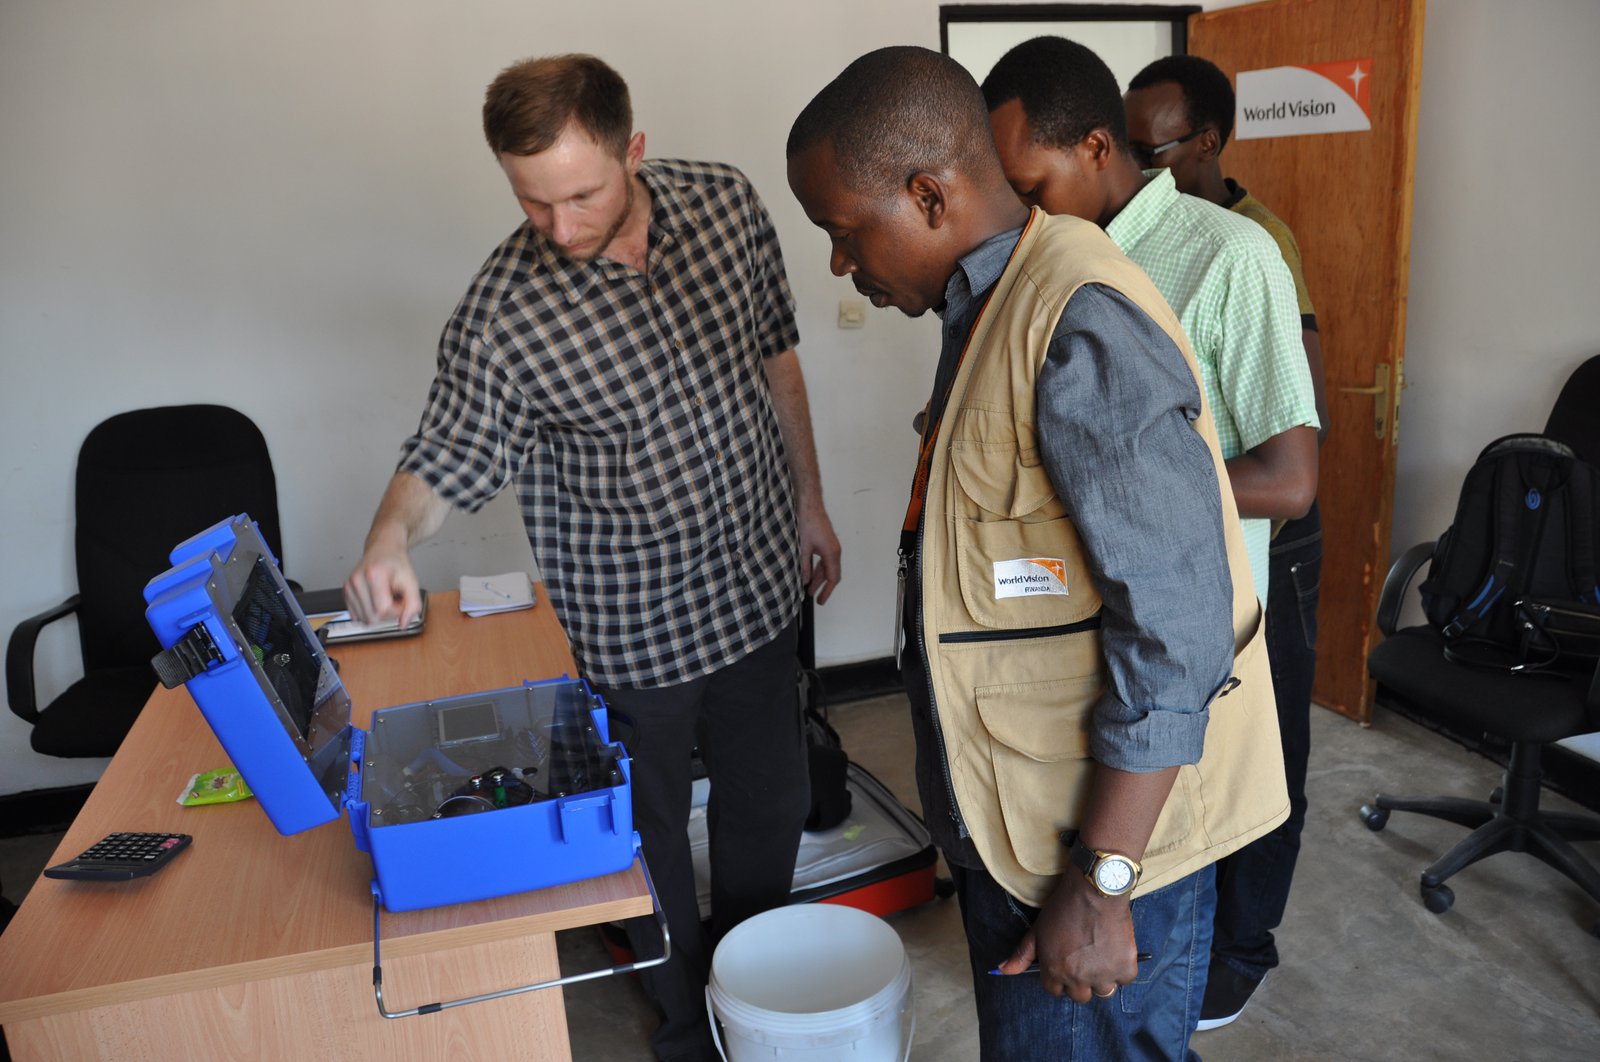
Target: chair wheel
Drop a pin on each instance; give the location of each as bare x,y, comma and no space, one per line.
1498,795
1375,817
944,888
1438,898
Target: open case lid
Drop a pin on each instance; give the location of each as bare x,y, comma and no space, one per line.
234,634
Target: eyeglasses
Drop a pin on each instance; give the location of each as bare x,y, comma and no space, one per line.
1147,155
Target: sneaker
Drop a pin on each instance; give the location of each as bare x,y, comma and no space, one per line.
1227,991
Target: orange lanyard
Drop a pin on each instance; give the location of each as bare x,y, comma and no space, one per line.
930,432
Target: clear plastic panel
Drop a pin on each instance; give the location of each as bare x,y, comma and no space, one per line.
483,752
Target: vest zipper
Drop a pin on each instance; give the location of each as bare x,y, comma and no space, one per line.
933,706
1017,634
899,605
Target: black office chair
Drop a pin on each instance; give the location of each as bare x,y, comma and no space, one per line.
1527,710
1573,419
146,480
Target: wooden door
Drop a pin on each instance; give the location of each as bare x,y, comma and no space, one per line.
1347,196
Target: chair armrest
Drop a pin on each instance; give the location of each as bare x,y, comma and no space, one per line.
1397,582
1591,700
19,658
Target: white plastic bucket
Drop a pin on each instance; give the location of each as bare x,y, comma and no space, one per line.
813,982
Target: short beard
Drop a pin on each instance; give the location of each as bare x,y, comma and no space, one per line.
611,233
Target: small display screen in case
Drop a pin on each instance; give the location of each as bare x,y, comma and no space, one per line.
461,723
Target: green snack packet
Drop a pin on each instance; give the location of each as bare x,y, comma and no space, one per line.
221,786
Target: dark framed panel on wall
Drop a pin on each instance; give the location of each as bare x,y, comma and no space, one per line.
1127,36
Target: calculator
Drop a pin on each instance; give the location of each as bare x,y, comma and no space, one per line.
122,856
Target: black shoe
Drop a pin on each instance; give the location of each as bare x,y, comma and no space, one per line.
1227,991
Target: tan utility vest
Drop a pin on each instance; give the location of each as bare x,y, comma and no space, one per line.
1015,712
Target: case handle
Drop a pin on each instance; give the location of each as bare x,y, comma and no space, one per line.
188,657
434,1008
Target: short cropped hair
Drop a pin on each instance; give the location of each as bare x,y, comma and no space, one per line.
1066,90
1207,96
893,112
530,103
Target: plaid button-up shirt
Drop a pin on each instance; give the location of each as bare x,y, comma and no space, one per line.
633,413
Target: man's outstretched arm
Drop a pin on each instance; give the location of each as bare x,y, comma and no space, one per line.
384,585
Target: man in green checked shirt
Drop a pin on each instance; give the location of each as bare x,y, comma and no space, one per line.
1180,114
1058,120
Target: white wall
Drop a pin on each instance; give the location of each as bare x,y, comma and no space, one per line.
1505,264
1126,47
276,207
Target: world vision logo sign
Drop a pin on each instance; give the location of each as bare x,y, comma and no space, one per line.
1030,576
1304,100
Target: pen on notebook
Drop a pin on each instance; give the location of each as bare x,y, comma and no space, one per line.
1143,956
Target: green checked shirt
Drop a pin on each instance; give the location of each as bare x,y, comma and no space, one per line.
1225,279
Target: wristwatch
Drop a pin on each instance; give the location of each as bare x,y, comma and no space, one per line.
1111,873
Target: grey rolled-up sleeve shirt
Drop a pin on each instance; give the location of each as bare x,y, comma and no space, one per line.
1116,403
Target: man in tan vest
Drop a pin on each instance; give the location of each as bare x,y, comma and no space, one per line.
1083,644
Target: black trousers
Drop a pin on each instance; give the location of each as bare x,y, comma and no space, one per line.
1253,883
746,721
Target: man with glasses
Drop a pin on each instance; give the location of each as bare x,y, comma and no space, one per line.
1058,122
1154,156
1180,114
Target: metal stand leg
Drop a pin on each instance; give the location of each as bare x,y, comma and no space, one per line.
434,1008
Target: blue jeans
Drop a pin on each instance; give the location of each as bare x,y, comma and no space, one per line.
1150,1019
1253,883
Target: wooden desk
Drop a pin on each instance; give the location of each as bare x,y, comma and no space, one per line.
251,945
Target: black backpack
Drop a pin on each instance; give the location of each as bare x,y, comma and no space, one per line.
1512,582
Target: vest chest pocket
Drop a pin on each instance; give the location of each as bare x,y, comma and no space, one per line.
1018,557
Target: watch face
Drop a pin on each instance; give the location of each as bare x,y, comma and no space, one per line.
1113,876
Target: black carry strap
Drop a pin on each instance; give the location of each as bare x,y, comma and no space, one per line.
189,656
1508,494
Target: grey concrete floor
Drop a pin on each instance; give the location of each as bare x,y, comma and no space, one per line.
1512,972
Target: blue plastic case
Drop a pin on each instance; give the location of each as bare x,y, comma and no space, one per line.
266,686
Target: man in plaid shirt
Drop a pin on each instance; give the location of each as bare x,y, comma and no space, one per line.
626,359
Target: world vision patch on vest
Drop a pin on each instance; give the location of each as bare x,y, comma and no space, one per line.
1029,577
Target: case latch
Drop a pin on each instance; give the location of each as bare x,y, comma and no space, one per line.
188,657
